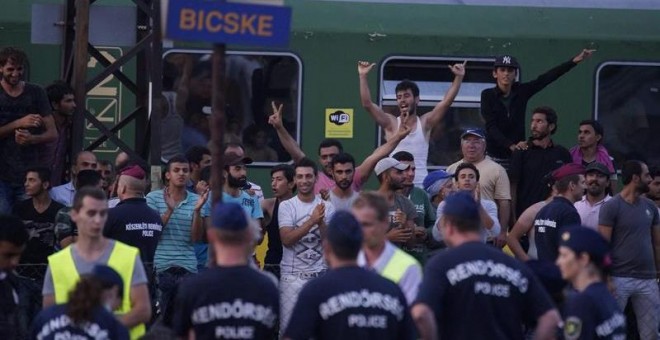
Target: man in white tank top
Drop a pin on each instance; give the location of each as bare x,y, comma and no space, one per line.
407,96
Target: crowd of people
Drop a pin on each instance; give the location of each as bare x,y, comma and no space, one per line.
519,238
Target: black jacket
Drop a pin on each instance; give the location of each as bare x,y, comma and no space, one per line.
503,127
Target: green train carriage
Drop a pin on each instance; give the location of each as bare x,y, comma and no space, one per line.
618,85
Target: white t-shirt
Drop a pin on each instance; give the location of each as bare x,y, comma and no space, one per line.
306,256
491,210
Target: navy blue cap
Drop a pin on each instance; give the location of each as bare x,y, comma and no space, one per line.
461,204
583,239
228,216
549,274
108,277
474,132
506,61
344,229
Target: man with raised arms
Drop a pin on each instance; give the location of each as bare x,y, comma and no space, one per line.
407,97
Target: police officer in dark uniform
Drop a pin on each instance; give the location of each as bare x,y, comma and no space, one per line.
349,302
474,291
592,312
560,212
231,300
88,313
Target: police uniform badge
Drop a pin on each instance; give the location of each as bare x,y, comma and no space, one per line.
572,328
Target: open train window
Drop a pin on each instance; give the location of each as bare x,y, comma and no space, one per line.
254,79
434,78
626,104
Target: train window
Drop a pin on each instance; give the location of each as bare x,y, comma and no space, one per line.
626,104
434,78
254,79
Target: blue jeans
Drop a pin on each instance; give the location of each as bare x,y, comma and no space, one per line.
168,280
202,254
10,194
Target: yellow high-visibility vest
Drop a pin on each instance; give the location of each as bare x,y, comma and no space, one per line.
65,276
397,265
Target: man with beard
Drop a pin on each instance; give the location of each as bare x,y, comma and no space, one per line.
494,182
407,97
251,188
53,155
654,187
425,213
182,213
597,177
282,184
343,195
467,178
328,149
530,165
559,213
401,210
590,148
626,221
26,124
233,192
303,220
503,107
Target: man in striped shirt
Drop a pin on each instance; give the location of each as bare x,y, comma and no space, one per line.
182,214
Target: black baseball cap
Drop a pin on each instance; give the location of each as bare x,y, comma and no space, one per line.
598,167
506,61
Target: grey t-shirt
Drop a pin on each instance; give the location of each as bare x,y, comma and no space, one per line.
632,246
85,267
343,203
403,203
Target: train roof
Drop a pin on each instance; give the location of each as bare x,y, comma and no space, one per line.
445,18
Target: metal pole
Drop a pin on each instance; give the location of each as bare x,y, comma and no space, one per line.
69,36
217,121
156,69
80,73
